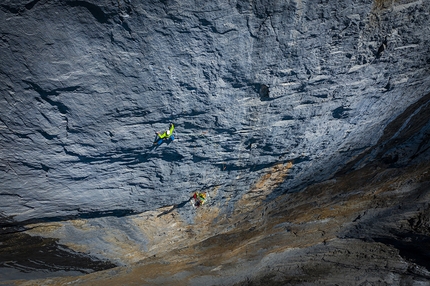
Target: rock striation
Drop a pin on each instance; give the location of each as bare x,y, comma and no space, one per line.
284,111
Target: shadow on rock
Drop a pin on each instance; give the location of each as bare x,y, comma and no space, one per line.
32,254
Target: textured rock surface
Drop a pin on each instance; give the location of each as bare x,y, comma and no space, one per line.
268,98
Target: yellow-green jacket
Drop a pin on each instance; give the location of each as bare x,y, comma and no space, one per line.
166,134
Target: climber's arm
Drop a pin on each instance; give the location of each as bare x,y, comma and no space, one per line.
162,135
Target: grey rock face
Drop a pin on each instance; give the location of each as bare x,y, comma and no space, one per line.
248,85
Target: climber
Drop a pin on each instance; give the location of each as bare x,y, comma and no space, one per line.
166,135
199,199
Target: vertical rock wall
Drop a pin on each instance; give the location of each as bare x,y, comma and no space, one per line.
268,98
249,85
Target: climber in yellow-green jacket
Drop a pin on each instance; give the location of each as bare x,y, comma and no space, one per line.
166,135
